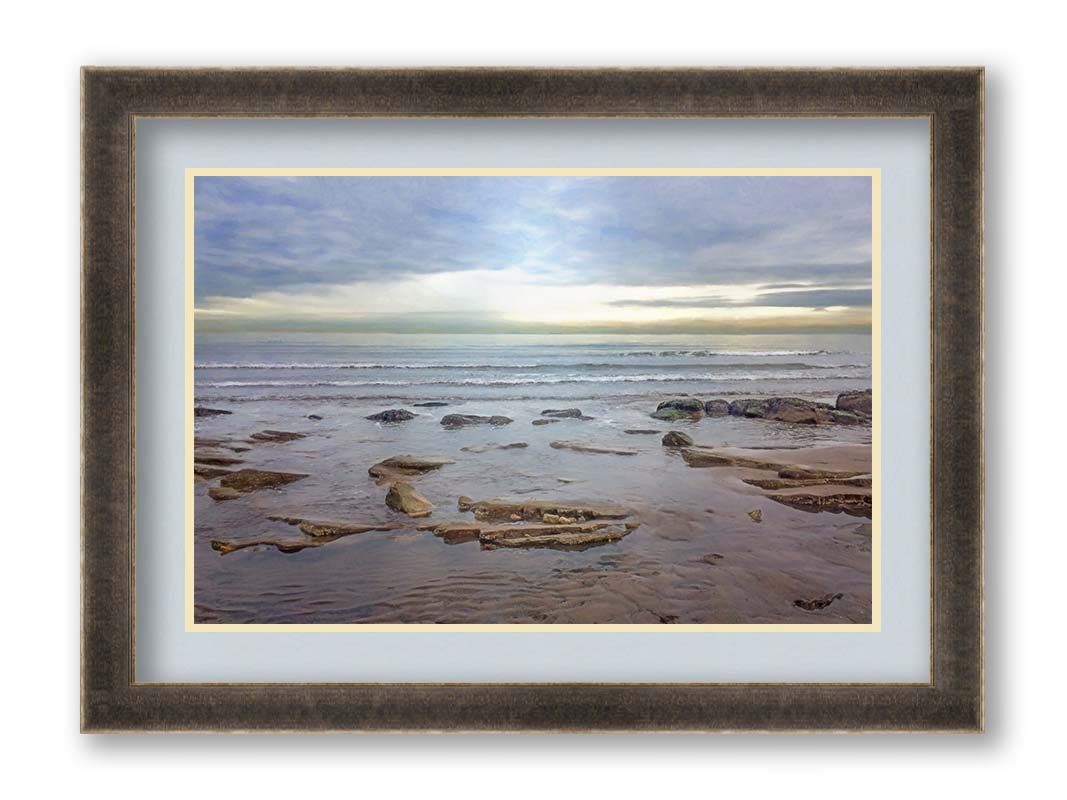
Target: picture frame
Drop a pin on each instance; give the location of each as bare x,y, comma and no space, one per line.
113,700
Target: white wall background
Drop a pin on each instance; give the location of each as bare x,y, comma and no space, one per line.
1022,47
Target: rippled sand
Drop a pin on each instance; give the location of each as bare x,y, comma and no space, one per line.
698,557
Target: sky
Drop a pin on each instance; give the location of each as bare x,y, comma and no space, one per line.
500,254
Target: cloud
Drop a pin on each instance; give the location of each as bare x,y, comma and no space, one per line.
553,250
815,298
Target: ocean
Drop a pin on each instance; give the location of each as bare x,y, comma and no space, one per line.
660,573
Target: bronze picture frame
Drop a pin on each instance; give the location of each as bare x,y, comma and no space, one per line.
111,698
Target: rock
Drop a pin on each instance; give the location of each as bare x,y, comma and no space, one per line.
567,480
251,480
857,504
559,539
215,458
330,528
485,448
462,420
820,475
534,510
200,411
403,497
640,431
392,415
221,493
285,547
756,515
314,417
795,410
716,408
855,402
430,404
679,408
817,603
458,532
405,467
772,484
209,472
277,436
563,413
555,519
464,503
677,439
708,457
544,421
318,528
580,447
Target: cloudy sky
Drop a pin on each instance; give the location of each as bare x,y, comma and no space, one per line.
533,254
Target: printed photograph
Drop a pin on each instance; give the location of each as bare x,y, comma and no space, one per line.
533,399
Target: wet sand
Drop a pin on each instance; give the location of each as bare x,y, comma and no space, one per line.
697,555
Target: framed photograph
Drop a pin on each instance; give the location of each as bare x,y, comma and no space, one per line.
522,399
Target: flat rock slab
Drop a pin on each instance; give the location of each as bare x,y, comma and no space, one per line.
485,448
331,528
431,404
561,540
564,413
207,471
545,421
463,420
641,432
582,447
835,461
277,436
225,548
251,480
534,510
215,458
406,466
834,499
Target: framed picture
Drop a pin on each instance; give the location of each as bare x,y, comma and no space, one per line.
549,400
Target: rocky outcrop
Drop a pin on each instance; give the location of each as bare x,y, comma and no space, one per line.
485,448
464,503
794,410
392,415
564,413
200,411
680,408
856,504
206,472
818,603
772,484
545,421
283,546
215,458
397,467
320,533
534,510
244,481
403,497
640,431
581,447
277,436
463,420
855,402
557,539
716,408
318,528
677,439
